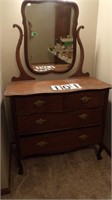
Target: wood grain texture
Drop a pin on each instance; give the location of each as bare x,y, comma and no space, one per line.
60,120
60,142
23,74
31,87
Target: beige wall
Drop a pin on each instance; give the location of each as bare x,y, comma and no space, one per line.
10,15
4,135
103,57
5,148
88,11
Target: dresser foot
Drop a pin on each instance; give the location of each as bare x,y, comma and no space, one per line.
99,157
20,171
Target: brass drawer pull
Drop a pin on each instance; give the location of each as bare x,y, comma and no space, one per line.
40,121
83,137
41,143
85,99
83,116
39,103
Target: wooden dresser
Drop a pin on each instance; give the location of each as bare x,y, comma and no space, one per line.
49,122
71,114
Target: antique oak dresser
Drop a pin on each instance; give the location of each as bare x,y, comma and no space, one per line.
55,116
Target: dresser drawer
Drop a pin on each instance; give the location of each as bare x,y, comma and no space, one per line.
84,99
58,121
38,103
60,142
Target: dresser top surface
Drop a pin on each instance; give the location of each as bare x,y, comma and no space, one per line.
31,87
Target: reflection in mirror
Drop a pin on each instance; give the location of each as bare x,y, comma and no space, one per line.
49,36
48,43
49,40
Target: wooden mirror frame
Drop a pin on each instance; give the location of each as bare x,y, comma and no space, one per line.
76,39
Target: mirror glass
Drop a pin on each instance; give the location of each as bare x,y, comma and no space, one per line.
50,45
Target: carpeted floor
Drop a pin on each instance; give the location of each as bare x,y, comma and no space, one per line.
75,175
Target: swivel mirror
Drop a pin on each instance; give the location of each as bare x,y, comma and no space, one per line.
51,36
49,27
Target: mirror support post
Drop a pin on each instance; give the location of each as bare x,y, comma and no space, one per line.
23,74
81,60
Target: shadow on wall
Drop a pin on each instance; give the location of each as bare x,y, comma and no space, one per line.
5,149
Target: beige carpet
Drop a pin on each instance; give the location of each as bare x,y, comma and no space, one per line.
75,175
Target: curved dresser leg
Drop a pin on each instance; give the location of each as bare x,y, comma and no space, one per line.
99,157
20,171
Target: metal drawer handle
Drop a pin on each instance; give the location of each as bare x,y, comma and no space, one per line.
41,143
85,99
39,103
83,116
40,121
83,137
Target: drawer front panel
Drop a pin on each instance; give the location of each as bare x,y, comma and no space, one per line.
60,142
58,121
39,103
88,99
